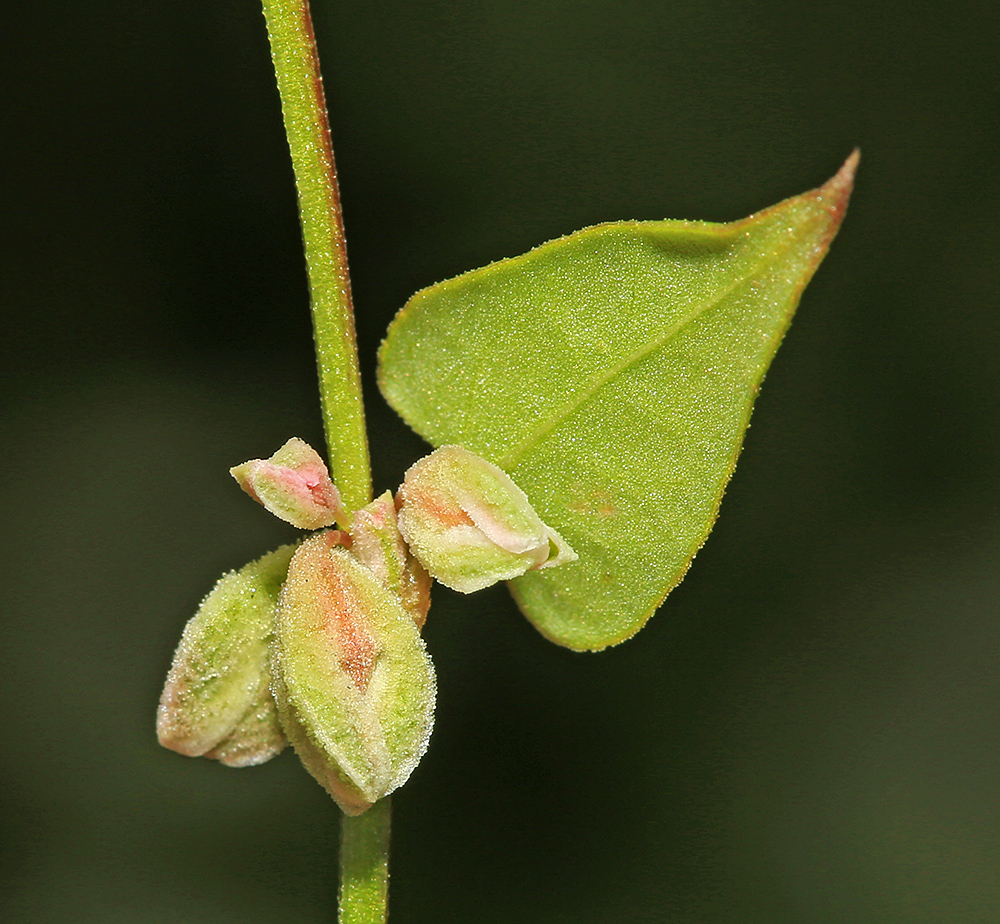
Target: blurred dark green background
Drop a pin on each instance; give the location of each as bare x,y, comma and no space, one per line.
807,731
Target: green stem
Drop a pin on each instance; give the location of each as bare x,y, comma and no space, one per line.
364,865
300,85
364,840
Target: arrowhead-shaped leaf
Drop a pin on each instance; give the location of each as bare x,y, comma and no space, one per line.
611,374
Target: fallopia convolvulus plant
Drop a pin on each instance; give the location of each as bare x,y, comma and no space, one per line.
587,402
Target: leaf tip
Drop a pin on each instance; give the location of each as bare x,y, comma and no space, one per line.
835,193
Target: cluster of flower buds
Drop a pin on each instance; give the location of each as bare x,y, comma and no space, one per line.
318,644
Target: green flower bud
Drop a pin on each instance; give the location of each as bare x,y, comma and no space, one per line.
354,684
217,701
378,544
294,485
470,525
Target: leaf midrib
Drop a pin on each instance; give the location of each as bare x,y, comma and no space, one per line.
510,459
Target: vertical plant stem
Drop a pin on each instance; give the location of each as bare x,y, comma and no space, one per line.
303,105
364,840
364,865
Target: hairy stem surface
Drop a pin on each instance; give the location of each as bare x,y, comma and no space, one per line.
364,841
303,105
364,865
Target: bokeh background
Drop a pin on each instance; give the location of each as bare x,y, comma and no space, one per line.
808,731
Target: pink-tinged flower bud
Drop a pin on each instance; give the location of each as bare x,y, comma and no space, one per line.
354,685
294,485
470,525
378,544
217,701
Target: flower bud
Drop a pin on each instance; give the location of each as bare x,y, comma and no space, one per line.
217,701
294,485
470,525
379,546
353,682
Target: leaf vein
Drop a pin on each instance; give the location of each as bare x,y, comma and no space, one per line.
510,459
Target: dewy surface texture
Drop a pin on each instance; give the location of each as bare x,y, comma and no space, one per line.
470,525
354,685
217,700
611,374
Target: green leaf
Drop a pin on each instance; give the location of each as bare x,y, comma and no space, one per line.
611,374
